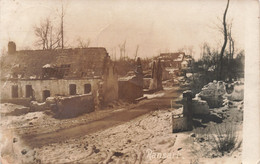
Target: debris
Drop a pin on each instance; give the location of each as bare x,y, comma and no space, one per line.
24,151
238,92
35,106
200,106
201,139
118,154
15,140
214,156
213,93
193,135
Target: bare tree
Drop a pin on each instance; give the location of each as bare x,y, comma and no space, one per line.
3,52
231,52
188,50
61,29
136,51
231,42
83,44
48,36
122,49
225,34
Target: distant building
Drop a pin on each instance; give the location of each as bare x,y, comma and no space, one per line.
172,60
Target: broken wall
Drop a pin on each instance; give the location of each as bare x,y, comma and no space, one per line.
179,123
131,87
157,71
75,105
128,90
146,83
110,85
57,87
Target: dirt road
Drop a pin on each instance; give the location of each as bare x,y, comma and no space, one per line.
115,118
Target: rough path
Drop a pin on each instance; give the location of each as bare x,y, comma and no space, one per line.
116,118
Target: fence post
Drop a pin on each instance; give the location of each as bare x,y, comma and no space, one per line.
187,108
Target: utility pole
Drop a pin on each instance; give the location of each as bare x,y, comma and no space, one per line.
62,15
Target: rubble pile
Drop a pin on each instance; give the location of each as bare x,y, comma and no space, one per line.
237,93
213,93
36,106
200,106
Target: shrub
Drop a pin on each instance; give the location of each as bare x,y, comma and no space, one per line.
225,138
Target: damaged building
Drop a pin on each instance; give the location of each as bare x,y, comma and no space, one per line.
130,87
172,60
174,63
38,74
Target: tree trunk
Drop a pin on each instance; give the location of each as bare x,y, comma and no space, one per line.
220,75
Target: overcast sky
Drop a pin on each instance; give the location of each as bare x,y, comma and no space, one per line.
155,25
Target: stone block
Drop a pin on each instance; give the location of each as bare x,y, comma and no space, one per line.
74,105
179,123
200,106
35,106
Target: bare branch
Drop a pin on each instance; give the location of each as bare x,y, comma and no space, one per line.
83,44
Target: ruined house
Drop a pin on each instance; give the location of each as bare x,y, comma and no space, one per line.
39,74
131,87
172,60
157,74
174,63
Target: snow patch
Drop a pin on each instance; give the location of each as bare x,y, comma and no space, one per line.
150,96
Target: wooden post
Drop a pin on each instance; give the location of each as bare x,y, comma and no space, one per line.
187,108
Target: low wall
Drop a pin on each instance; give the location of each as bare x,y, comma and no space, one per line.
18,101
129,91
74,105
147,82
179,123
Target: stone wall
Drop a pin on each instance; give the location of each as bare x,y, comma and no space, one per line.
18,101
156,82
127,90
110,85
147,82
57,87
75,105
131,87
179,123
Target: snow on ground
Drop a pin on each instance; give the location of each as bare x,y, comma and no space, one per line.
134,141
147,139
150,96
42,122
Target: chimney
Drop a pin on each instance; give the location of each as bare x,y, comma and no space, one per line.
11,47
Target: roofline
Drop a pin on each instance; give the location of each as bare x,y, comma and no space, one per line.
40,50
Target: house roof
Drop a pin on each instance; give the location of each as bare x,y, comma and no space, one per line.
177,57
26,64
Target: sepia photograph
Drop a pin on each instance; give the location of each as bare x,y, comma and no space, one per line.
129,82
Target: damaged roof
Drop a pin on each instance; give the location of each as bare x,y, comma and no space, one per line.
178,56
82,62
